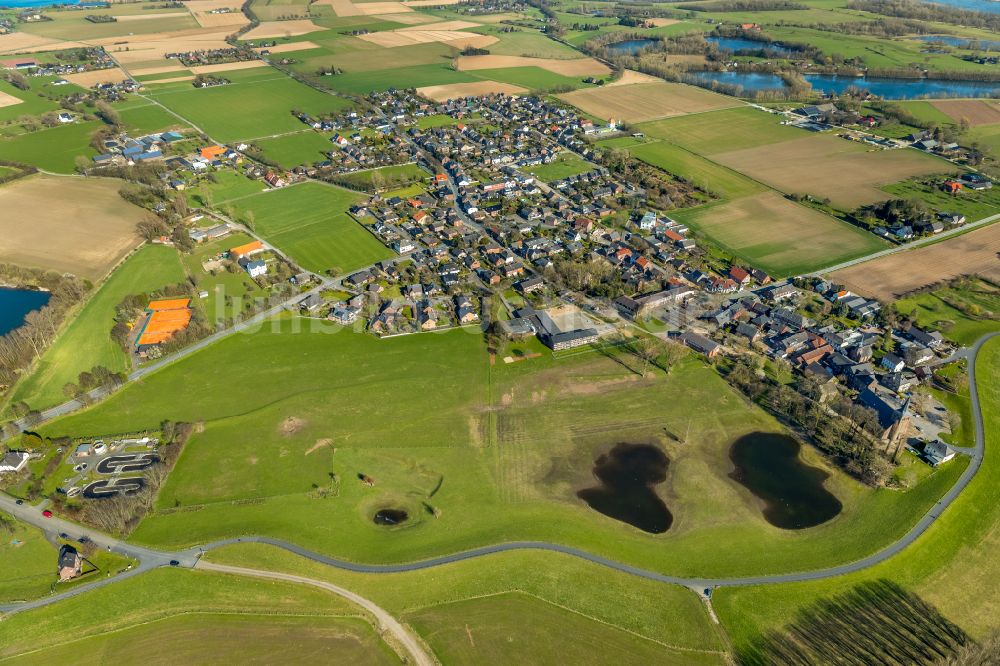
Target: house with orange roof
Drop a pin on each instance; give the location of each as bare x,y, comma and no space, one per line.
246,250
164,318
212,152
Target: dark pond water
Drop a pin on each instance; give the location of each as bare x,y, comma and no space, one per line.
630,46
886,88
390,517
628,476
768,464
961,42
15,304
739,44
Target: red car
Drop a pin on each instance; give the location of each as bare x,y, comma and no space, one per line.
47,513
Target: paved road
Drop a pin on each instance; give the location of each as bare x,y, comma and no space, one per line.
190,557
386,621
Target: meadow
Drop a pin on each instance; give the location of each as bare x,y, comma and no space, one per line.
397,174
310,223
29,562
299,148
940,310
52,149
722,131
86,341
952,565
565,165
257,104
704,173
513,443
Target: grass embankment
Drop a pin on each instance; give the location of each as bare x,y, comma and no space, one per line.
953,565
86,341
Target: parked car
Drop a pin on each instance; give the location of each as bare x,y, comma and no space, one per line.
47,513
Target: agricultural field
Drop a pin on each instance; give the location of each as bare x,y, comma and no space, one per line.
974,112
85,231
779,236
951,565
86,341
448,464
722,131
310,223
640,102
258,104
888,278
51,149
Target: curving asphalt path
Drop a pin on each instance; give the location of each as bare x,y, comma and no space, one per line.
189,558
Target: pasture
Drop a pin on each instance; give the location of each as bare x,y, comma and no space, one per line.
29,562
565,165
704,173
646,101
327,405
299,148
52,149
310,223
952,565
888,278
722,131
86,340
258,103
394,176
779,236
85,230
807,165
577,67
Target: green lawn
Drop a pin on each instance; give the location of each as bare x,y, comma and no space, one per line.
149,118
221,187
309,222
86,341
29,562
953,565
565,165
435,120
391,176
52,149
292,150
258,103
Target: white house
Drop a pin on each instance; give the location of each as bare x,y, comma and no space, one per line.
938,452
256,268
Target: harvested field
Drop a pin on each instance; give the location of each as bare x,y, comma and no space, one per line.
888,278
271,29
646,101
976,112
221,20
779,236
23,42
8,100
372,8
444,31
85,230
291,46
575,67
661,22
144,48
456,90
128,18
807,166
411,18
630,77
228,66
165,69
91,79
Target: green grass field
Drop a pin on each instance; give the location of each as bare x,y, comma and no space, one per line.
29,562
565,165
31,103
222,187
86,341
391,176
712,177
721,131
228,293
952,565
974,205
309,222
300,148
258,103
52,149
149,118
937,310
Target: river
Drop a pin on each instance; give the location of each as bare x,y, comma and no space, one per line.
885,88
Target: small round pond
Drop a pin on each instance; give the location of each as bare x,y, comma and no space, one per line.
390,517
768,464
628,476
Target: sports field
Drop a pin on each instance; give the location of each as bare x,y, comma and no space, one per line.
85,230
258,103
888,278
86,341
310,223
828,167
646,101
779,236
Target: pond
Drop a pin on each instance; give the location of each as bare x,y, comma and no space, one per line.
736,44
630,46
885,88
961,42
390,517
769,466
628,476
15,304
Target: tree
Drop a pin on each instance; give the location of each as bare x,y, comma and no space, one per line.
82,164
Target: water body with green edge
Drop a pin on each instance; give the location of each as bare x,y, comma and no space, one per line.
768,464
628,476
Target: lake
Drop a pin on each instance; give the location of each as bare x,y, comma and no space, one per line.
15,304
33,3
739,44
960,42
628,476
769,466
630,46
885,88
990,6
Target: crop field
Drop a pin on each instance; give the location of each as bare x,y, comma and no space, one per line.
888,278
310,223
72,25
258,103
975,112
417,76
779,236
86,341
704,173
53,149
646,101
532,78
952,565
434,462
300,148
85,231
806,165
722,131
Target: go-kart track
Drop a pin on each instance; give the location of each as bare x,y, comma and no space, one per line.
120,464
126,463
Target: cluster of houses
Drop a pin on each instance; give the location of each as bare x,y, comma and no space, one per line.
86,59
214,56
126,150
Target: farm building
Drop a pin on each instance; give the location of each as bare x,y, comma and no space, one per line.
163,319
247,250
